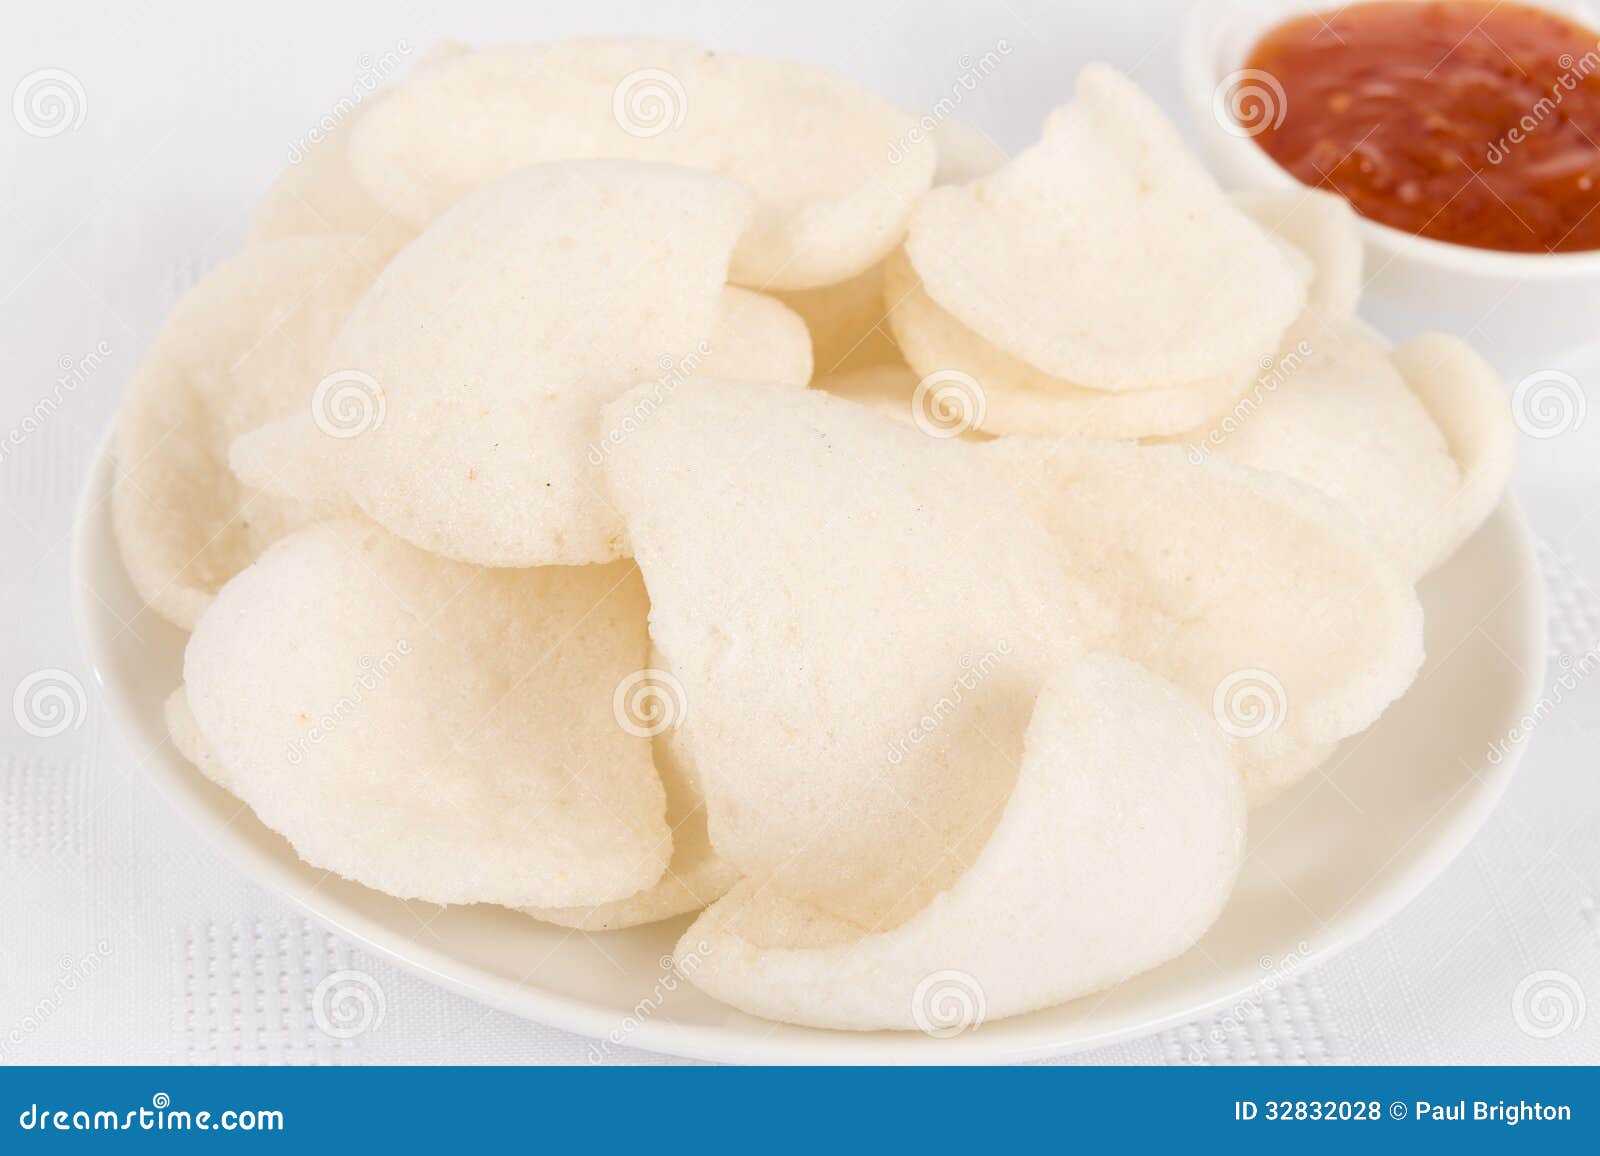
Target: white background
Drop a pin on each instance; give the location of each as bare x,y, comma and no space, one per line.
123,937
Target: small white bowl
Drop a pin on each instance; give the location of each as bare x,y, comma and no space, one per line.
1522,309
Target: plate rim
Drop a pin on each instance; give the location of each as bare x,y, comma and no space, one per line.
167,769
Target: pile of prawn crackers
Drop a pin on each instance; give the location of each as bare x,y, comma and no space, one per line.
622,482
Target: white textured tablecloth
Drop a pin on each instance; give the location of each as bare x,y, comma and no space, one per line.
123,937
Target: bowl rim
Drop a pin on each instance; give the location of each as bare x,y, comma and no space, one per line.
1200,69
173,776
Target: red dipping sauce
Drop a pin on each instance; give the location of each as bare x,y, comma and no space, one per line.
1461,120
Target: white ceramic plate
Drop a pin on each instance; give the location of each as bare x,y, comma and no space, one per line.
1328,862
